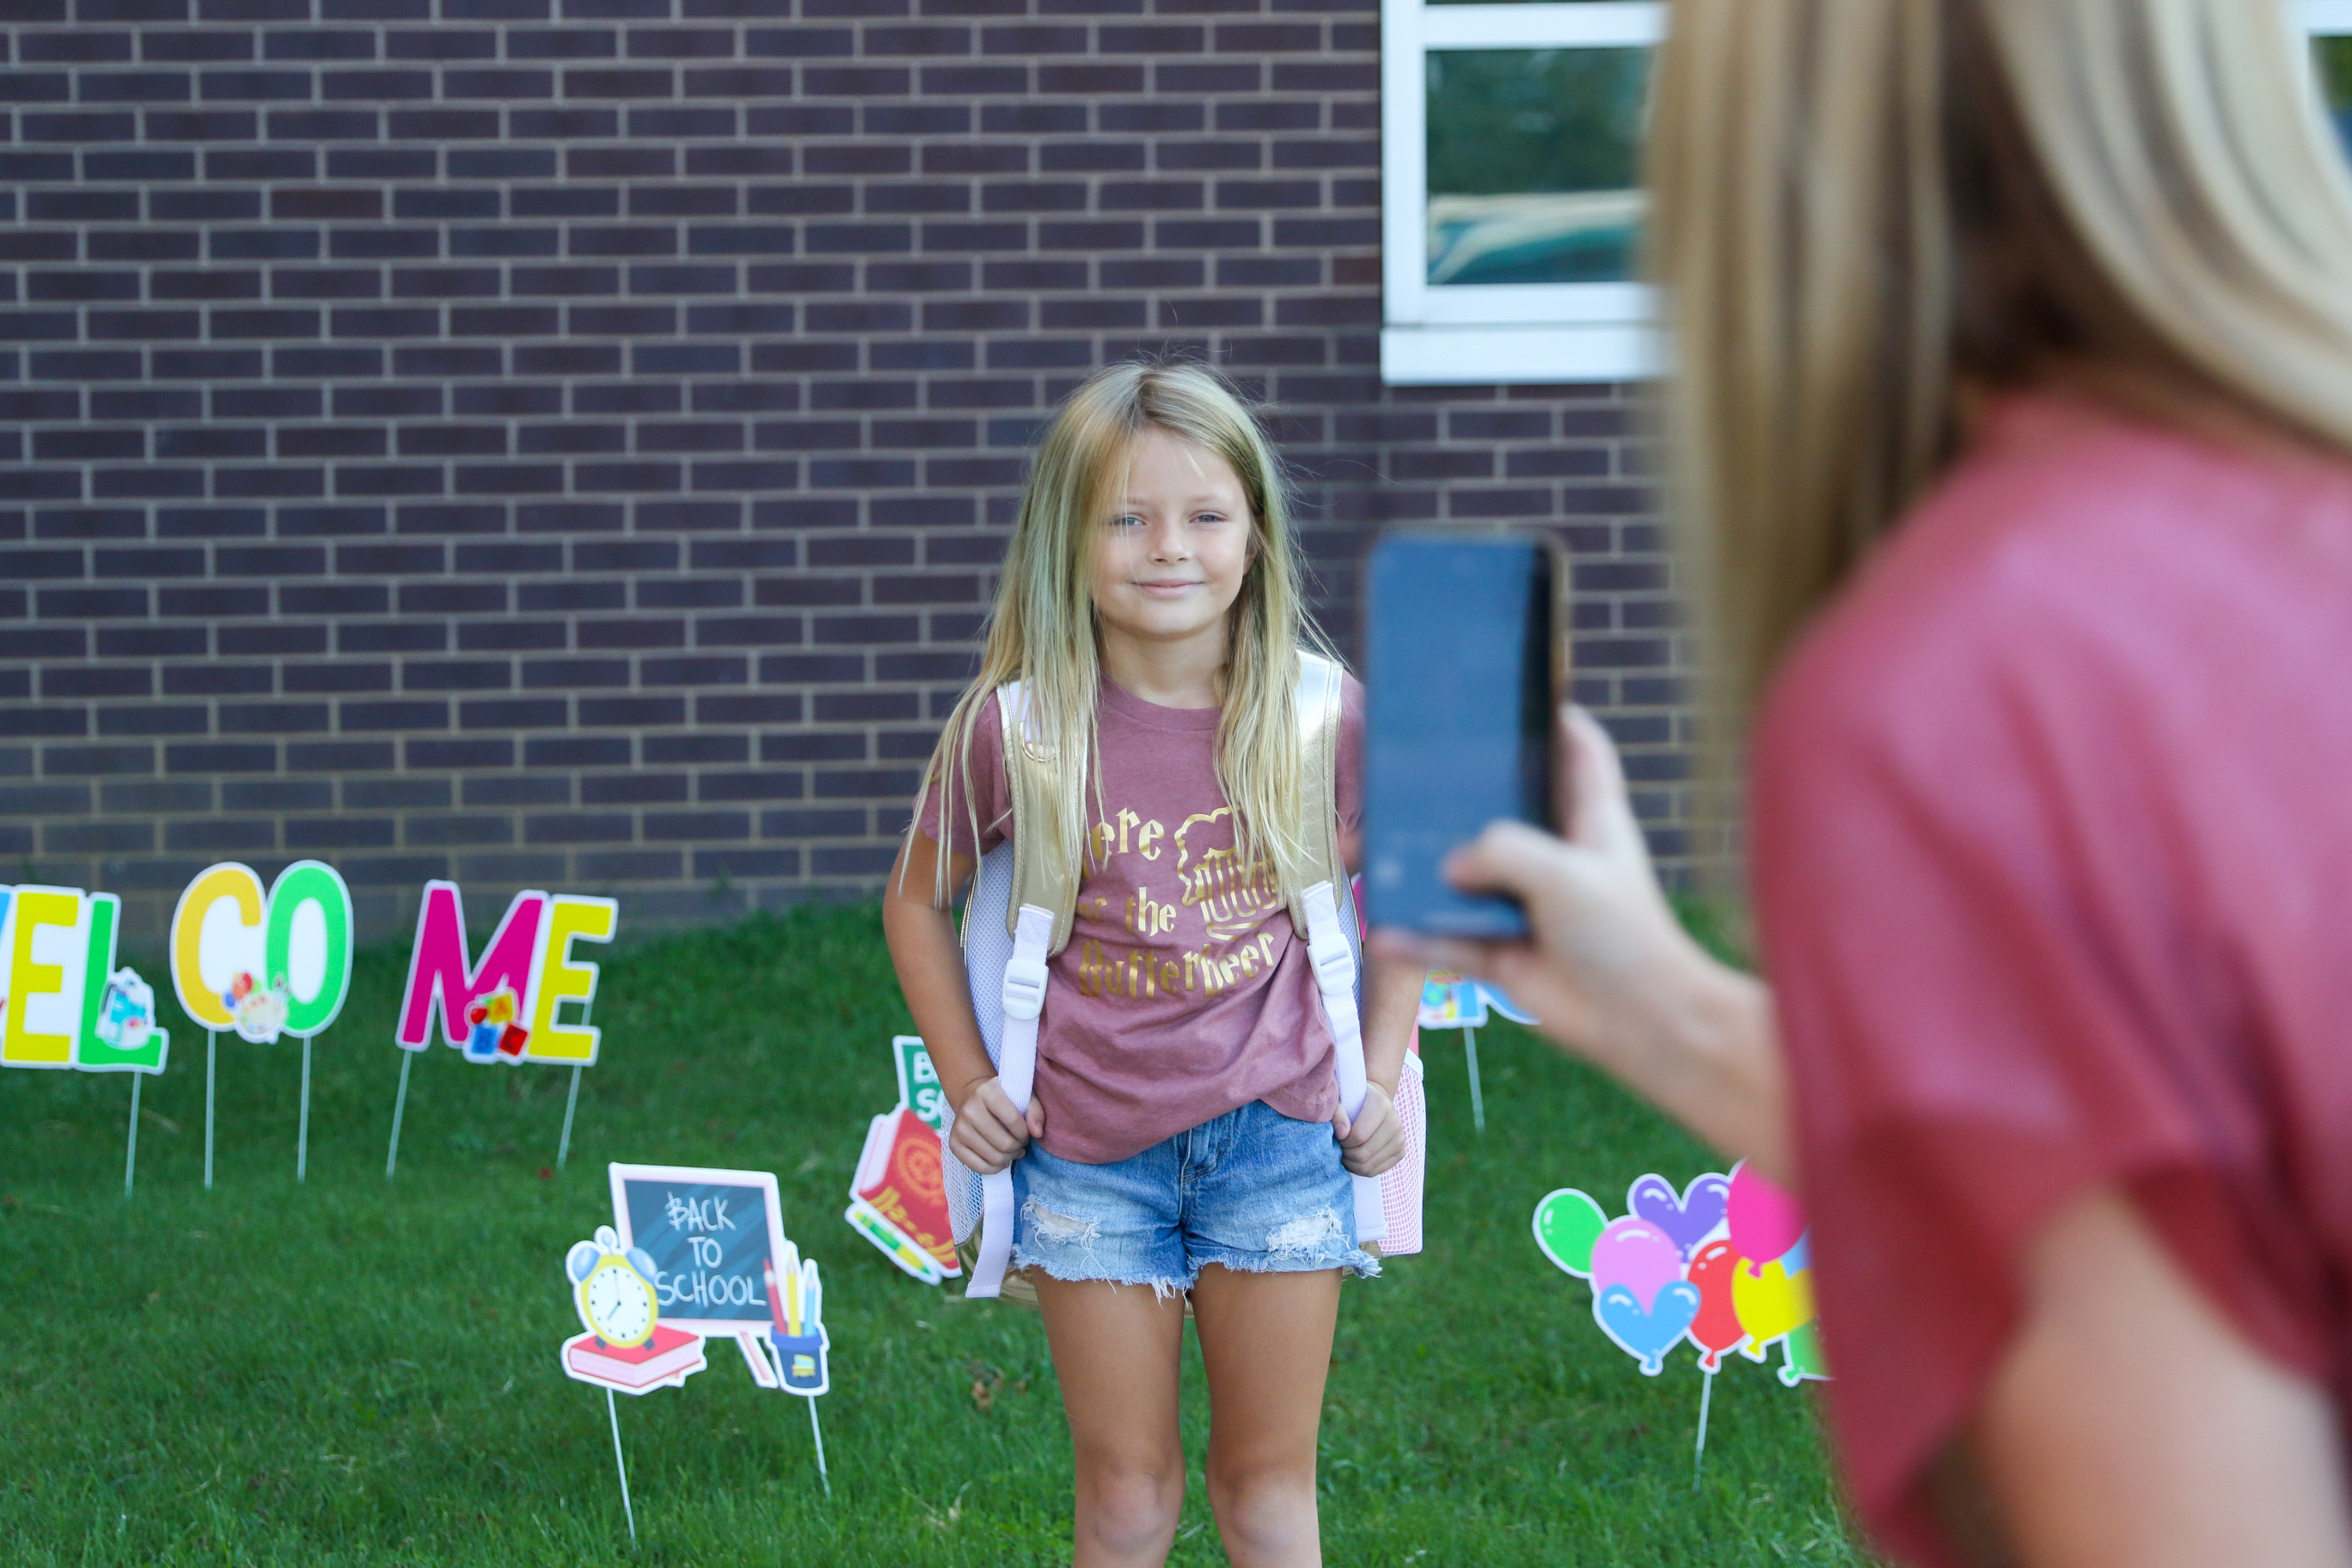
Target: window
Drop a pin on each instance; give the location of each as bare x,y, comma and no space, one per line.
1510,160
1512,132
2330,22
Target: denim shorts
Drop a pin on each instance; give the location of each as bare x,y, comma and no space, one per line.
1252,1190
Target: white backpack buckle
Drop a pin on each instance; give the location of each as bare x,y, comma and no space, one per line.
1025,987
1335,963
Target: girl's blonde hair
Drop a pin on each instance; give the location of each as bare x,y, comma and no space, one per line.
1043,632
1864,205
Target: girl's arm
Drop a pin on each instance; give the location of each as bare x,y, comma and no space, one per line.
989,1131
1375,1141
1392,1014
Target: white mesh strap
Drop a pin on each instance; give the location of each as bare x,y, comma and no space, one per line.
1335,977
1016,1074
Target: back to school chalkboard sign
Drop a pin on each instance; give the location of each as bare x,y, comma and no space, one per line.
712,1235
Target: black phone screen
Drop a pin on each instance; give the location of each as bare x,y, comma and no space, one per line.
1460,640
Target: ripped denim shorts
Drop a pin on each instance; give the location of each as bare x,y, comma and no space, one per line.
1252,1190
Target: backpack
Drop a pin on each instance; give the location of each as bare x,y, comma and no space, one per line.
1023,900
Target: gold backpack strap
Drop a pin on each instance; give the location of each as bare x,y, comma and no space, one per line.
1319,704
1043,874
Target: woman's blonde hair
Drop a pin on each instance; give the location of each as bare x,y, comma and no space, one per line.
1865,205
1042,632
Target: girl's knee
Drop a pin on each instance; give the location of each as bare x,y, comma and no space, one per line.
1264,1503
1125,1504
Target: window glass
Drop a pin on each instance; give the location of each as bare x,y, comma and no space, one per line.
1535,164
2335,56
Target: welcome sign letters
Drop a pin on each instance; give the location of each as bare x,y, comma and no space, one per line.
502,1007
62,1001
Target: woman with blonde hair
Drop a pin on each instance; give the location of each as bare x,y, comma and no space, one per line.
1185,1137
2012,419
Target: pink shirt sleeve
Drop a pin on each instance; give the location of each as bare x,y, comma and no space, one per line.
985,799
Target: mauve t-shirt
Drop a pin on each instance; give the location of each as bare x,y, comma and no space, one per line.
2053,845
1183,993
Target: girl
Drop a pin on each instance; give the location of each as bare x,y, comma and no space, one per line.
1184,1135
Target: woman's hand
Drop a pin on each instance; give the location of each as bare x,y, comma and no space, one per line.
1372,1144
1604,939
1610,971
990,1134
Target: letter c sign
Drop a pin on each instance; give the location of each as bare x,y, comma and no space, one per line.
263,965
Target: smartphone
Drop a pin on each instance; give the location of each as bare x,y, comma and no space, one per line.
1465,666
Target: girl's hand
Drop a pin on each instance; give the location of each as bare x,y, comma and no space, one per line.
990,1134
1373,1142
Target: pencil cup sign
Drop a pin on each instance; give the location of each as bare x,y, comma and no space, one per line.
263,965
503,1007
63,1004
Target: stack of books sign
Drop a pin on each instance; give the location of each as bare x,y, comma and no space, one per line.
666,1361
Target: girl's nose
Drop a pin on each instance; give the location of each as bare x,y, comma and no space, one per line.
1169,541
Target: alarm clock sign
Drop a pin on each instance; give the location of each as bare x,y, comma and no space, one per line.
628,1348
615,1290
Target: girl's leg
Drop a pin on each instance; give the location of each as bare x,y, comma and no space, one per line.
1115,1354
1265,1340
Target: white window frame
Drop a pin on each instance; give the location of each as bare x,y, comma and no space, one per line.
1493,331
1521,332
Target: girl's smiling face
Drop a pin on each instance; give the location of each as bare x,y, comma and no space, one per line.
1177,545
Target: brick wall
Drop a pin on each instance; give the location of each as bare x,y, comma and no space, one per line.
567,442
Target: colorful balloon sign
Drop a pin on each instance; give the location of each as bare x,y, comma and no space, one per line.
1724,1263
62,1001
1717,1327
1765,1222
503,1007
1567,1225
1772,1303
1688,1218
263,965
1640,1298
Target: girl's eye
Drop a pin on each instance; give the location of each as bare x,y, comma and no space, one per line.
1129,521
1209,517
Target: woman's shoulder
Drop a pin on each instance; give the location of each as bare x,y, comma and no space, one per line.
2078,564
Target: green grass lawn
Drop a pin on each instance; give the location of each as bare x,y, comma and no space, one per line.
350,1372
